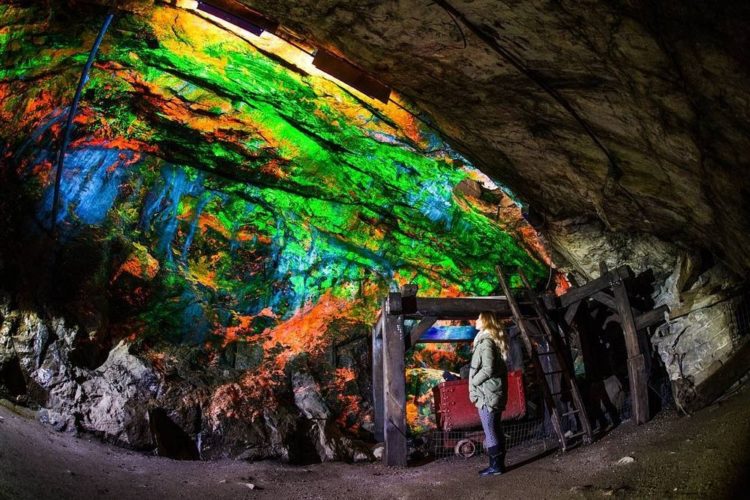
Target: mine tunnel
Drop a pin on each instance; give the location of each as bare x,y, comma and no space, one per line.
255,248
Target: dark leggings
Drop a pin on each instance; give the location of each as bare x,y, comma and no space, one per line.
493,430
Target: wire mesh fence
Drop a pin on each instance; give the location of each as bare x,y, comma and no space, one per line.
741,320
467,443
528,433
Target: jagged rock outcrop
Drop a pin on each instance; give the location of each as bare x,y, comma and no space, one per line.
128,401
110,400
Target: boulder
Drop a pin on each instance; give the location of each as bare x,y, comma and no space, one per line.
116,397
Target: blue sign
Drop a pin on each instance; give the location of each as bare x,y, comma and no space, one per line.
449,334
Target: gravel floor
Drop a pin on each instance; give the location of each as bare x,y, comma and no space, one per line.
706,455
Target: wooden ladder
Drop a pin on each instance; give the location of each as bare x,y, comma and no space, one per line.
546,350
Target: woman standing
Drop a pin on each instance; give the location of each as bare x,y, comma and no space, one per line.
487,387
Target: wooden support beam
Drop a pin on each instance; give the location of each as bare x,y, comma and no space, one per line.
468,307
650,318
419,329
394,387
593,286
718,382
603,269
571,312
636,361
409,299
377,376
604,298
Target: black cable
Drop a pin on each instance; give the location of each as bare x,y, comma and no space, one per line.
71,116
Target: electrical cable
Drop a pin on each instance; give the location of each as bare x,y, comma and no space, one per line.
71,116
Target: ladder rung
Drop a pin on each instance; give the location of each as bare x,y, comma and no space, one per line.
572,436
566,391
571,412
554,372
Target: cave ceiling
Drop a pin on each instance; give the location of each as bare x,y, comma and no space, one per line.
660,86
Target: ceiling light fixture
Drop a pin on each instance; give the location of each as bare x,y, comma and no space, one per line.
241,17
351,75
335,67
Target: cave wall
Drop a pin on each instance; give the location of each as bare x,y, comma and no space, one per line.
227,221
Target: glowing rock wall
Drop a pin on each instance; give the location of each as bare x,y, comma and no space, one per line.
261,212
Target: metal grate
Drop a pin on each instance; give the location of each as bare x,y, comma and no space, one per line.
470,442
520,434
742,314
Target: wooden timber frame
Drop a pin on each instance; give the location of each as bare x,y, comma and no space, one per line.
389,345
632,321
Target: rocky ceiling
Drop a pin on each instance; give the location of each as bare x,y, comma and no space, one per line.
632,114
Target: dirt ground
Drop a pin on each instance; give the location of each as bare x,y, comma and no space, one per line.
706,455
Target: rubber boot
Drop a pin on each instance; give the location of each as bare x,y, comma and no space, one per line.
496,462
496,467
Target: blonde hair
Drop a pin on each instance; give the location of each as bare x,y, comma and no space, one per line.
488,322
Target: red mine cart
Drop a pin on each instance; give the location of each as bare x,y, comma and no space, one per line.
456,413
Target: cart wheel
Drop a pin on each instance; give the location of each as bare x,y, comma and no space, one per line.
466,448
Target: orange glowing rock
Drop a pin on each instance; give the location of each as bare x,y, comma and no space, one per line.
305,331
139,264
244,328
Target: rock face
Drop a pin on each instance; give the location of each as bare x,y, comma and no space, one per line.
624,124
110,401
224,211
124,401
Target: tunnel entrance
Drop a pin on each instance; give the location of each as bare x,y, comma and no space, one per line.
12,379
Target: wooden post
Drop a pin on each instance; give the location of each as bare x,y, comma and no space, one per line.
377,376
636,361
394,387
419,329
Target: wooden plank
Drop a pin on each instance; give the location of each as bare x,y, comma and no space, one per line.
604,298
718,382
593,286
650,318
516,314
394,304
603,269
377,376
421,327
571,312
465,307
394,390
409,299
636,361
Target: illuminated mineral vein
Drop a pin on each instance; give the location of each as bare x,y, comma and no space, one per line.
261,203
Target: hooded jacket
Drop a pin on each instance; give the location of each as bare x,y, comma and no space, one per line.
488,374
